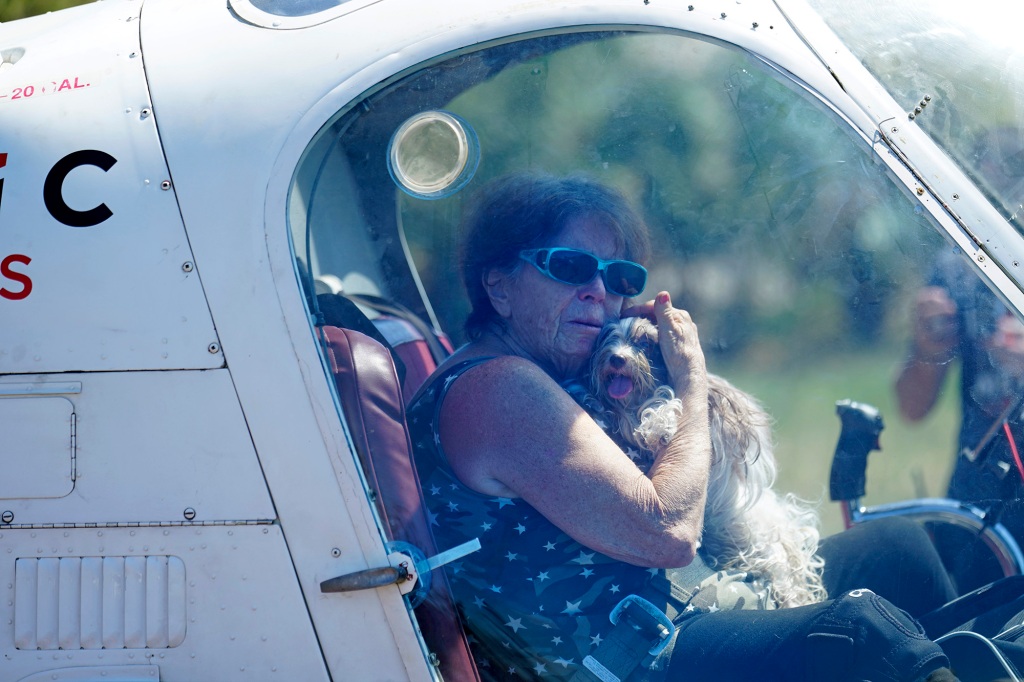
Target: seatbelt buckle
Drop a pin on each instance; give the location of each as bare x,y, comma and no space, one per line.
659,622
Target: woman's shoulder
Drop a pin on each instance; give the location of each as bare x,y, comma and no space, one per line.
505,382
481,388
445,373
476,376
489,367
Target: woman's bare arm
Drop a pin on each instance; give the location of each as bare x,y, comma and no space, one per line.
509,430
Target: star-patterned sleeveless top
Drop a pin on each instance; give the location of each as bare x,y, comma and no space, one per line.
534,601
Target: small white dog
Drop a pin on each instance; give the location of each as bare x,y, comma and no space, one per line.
747,525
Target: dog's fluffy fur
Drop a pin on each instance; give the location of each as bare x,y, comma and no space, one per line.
747,525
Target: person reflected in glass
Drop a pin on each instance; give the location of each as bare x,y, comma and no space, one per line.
958,320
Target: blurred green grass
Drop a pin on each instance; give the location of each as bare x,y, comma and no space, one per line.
915,460
18,9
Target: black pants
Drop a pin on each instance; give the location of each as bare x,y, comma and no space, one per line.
892,557
860,635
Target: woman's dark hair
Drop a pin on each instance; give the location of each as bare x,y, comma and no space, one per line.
526,211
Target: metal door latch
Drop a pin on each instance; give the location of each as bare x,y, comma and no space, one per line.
407,568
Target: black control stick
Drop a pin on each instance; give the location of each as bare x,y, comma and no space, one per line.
858,436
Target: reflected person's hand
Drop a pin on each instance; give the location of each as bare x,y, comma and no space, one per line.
1006,346
935,327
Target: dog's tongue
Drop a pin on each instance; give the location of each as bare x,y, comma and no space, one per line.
619,387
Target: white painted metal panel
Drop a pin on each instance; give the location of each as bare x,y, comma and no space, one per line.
176,612
234,609
26,604
36,454
69,590
97,270
47,602
92,602
134,602
157,597
149,446
128,605
106,673
113,606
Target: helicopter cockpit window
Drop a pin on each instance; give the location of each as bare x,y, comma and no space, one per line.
799,259
965,63
294,8
290,14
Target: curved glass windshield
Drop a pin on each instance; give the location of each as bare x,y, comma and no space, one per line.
967,60
294,8
292,14
799,259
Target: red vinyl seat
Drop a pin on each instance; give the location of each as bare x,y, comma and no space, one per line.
374,408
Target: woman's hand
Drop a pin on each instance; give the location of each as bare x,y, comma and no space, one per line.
677,336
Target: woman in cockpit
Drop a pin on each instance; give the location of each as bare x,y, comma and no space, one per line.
569,524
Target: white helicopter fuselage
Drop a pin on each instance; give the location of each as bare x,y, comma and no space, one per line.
148,482
175,482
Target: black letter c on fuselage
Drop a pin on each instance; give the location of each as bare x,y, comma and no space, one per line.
53,195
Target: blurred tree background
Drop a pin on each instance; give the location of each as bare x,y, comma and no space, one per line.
791,249
18,9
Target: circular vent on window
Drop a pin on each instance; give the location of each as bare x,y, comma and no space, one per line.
433,154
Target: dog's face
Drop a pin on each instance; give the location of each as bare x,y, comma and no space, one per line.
627,365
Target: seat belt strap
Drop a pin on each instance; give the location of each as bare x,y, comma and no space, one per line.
641,630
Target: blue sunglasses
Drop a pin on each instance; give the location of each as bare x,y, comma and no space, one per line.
576,267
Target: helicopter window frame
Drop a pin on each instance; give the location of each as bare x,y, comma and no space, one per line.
267,18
